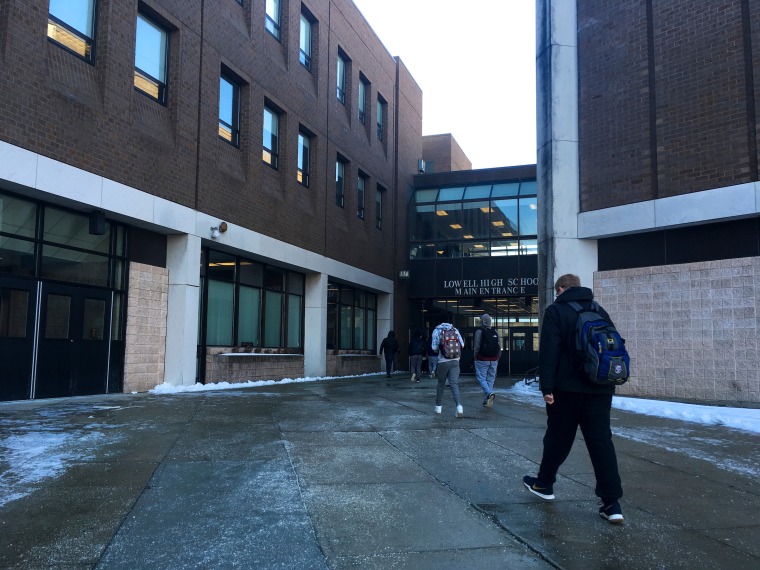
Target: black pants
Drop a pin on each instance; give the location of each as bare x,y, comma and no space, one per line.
592,413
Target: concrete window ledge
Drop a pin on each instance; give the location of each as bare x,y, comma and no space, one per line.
227,354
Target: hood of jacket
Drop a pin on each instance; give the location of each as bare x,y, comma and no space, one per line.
577,294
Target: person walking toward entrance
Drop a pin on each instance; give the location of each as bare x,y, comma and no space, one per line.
389,346
448,342
487,349
573,401
416,353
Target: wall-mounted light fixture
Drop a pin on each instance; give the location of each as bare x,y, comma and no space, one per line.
216,231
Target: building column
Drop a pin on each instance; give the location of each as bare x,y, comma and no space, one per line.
183,254
315,326
559,249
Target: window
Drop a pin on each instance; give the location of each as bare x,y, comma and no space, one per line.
341,79
381,106
304,145
305,43
360,185
340,182
151,46
271,152
379,207
249,303
351,318
272,19
229,110
481,220
71,23
363,91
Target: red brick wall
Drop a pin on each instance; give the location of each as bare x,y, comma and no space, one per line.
89,116
666,102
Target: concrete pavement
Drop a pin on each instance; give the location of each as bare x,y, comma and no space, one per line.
355,473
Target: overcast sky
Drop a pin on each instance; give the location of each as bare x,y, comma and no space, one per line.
475,63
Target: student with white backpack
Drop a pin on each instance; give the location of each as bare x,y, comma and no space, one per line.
448,342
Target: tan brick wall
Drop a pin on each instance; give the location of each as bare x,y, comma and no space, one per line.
146,327
691,329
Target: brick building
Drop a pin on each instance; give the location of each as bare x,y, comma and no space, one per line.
647,136
193,191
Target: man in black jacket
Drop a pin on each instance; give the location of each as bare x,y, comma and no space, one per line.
572,401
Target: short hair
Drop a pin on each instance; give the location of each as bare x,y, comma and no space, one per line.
567,280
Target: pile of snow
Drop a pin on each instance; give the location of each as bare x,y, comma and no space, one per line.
747,419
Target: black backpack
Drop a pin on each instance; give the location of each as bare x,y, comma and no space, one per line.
489,342
600,349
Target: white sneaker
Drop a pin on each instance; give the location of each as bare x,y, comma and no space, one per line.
438,409
414,377
460,412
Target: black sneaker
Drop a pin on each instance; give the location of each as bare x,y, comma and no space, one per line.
611,511
538,488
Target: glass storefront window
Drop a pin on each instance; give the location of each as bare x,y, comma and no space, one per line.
359,324
528,247
17,256
345,327
63,264
350,322
504,220
73,230
528,217
501,248
422,251
17,217
505,190
294,321
476,249
477,192
221,266
421,196
422,222
476,220
272,318
451,194
449,224
249,315
452,250
219,313
371,328
528,188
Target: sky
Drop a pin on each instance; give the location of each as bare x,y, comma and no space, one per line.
475,63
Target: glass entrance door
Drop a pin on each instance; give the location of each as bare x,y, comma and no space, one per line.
73,341
523,349
17,303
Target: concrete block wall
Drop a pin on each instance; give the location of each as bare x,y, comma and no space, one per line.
145,340
691,329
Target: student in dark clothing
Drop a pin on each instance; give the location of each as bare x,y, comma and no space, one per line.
416,354
572,401
389,347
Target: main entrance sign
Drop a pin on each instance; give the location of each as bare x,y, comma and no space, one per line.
480,287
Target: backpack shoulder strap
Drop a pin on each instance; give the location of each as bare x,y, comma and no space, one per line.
578,308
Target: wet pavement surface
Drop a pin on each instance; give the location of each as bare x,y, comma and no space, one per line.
358,473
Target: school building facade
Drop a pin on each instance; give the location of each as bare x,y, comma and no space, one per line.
198,192
648,138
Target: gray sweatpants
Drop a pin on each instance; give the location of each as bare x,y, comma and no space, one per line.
447,370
